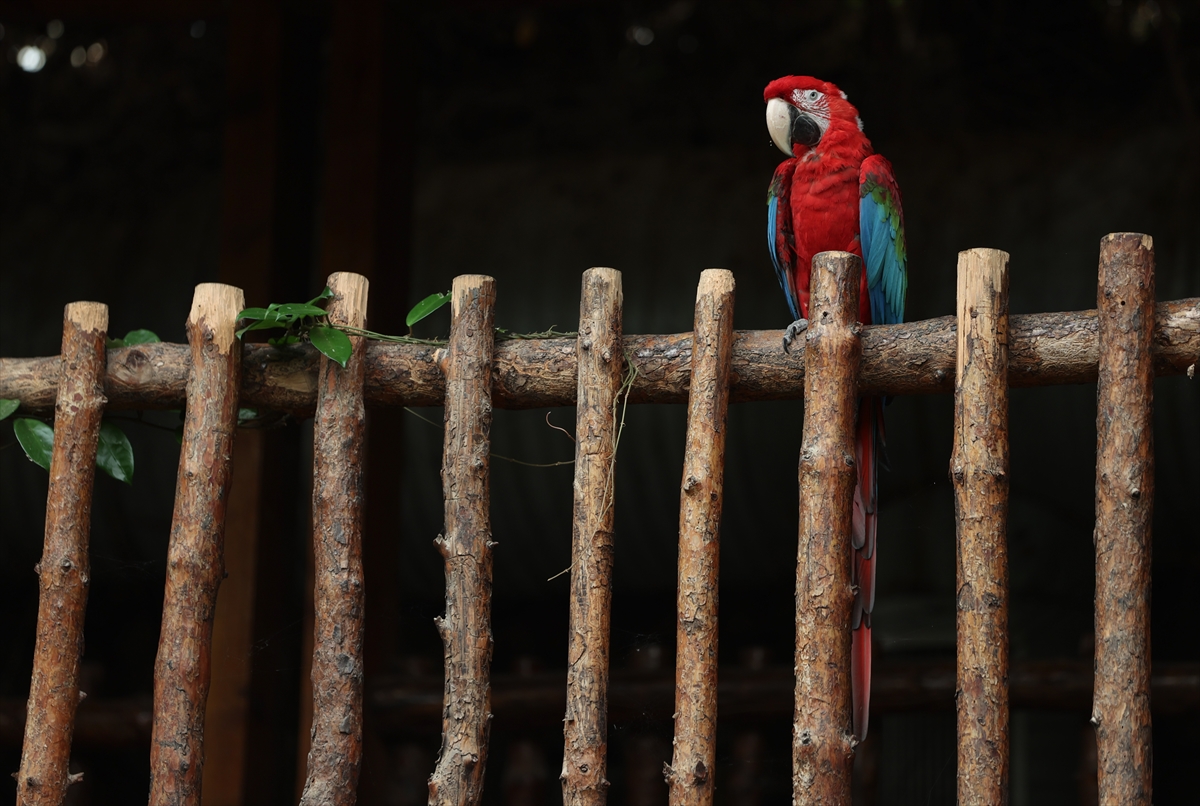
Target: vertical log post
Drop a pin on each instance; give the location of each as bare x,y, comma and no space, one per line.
466,628
63,570
690,775
822,736
979,472
335,749
1124,512
601,364
195,563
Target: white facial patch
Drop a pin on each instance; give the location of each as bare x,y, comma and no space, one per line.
815,104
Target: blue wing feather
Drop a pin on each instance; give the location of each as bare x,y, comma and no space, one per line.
881,234
779,236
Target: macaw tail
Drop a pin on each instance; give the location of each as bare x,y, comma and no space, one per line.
868,438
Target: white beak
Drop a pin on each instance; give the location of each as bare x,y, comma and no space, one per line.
779,124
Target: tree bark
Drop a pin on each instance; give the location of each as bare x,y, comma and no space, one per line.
601,364
466,628
64,568
979,473
335,752
690,775
822,736
1124,513
195,562
1045,349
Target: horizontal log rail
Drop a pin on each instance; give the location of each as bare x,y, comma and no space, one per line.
1045,349
413,705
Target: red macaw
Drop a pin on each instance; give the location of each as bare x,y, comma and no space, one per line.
834,193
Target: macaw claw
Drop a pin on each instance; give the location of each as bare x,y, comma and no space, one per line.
793,332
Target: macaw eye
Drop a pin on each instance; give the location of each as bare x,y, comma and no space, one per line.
812,95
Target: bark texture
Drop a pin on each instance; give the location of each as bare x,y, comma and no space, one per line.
195,561
979,473
335,752
690,775
601,364
913,358
466,546
64,568
822,737
1124,513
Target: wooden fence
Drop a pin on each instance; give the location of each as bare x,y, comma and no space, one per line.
978,355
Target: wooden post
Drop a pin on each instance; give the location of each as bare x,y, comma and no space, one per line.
822,738
979,472
335,749
63,570
195,563
601,363
690,775
1124,513
466,546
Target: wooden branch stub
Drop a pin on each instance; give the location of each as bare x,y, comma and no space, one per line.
195,554
335,752
1124,514
822,736
601,366
64,568
914,358
979,473
691,774
466,545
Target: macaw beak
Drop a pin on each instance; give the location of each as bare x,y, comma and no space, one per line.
788,125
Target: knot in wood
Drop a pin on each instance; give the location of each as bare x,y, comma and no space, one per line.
689,483
700,773
66,564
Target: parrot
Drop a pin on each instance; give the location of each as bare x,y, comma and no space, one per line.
833,192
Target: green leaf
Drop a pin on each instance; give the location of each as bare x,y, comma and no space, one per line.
425,307
114,455
36,438
252,313
326,294
113,344
284,340
141,336
268,322
292,310
332,342
7,407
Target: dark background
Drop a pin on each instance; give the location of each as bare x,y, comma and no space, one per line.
269,144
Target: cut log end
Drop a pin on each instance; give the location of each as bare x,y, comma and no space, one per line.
87,316
217,306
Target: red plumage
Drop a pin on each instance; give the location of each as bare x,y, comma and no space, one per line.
818,196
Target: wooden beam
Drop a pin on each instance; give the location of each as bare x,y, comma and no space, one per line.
1045,349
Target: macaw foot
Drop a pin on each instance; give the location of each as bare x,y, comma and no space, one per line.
793,332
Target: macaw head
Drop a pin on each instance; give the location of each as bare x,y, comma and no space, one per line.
802,109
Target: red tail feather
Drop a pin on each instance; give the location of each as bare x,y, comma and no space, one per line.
862,566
